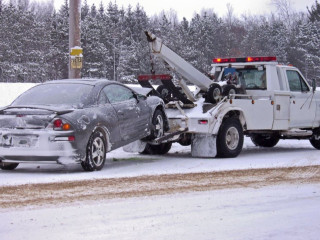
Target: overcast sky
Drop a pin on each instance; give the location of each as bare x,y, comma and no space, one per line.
186,8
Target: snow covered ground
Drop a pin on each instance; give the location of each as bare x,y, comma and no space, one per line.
286,211
121,164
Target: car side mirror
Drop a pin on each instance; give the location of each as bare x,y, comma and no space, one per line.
314,85
139,97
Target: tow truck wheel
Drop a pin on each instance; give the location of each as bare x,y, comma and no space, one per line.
229,89
230,138
214,93
265,140
8,166
315,143
160,149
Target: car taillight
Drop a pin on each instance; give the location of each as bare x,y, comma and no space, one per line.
71,138
59,124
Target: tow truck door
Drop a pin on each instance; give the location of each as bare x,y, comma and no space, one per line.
281,110
302,101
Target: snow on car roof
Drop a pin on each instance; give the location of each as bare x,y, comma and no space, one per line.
89,81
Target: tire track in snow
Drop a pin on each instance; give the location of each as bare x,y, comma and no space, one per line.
31,195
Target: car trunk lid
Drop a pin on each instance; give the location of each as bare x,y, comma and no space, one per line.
28,117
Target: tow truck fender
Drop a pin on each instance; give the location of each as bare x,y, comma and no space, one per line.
226,113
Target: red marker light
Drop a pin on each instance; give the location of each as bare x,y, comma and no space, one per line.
203,122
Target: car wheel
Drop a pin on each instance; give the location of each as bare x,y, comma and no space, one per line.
158,124
230,138
214,93
265,140
8,166
96,152
164,92
315,143
160,149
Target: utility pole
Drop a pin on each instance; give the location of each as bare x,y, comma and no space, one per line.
75,49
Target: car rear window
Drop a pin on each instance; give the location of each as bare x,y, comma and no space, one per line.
55,94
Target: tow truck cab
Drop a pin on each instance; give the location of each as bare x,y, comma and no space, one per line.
292,101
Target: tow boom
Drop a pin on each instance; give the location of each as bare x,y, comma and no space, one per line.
178,63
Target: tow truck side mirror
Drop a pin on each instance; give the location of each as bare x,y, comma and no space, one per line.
314,85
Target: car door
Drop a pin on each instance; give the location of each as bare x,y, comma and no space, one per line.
127,107
302,102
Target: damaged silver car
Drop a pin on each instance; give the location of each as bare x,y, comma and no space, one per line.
65,121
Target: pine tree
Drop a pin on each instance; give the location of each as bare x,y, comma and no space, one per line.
314,12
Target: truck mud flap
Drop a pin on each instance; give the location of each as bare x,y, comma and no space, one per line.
204,145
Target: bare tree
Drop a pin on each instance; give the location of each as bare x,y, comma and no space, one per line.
284,10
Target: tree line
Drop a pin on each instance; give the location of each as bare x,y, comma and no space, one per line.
34,39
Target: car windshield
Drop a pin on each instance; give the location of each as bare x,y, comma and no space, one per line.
55,94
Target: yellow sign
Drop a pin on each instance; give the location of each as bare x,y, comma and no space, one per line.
76,62
76,51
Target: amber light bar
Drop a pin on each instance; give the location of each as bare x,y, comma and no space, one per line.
244,59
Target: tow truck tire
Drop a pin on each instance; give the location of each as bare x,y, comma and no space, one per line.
263,140
229,89
214,93
160,149
315,143
230,138
8,166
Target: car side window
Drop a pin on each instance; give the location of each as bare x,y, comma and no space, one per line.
296,82
117,93
102,98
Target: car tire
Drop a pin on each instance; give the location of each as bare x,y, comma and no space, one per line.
164,92
263,140
95,153
229,89
158,125
214,93
315,143
8,166
160,149
230,138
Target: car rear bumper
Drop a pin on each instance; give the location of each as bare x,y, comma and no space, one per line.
26,146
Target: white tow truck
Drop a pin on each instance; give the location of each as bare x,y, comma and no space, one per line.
253,96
